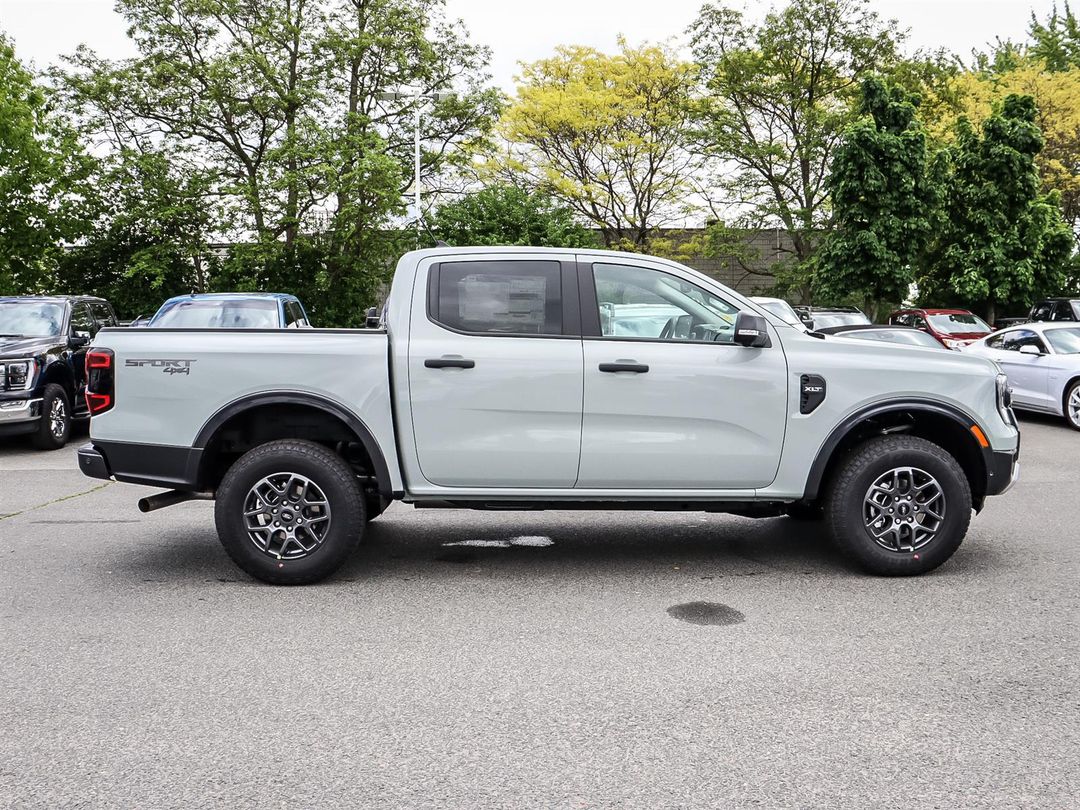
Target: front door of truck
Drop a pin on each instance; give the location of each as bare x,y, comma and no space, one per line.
495,371
671,402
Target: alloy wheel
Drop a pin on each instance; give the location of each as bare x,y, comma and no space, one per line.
286,515
903,509
58,418
1072,407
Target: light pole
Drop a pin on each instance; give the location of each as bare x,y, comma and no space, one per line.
418,99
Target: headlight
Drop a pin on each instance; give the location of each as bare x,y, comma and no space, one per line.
1004,399
954,344
16,375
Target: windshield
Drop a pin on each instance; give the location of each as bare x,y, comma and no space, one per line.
958,324
218,314
823,320
31,318
1064,341
905,337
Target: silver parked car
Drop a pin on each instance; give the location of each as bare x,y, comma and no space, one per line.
1042,362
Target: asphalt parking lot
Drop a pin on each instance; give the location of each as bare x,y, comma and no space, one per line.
463,660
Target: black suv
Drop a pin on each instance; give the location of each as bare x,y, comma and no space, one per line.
1056,309
43,342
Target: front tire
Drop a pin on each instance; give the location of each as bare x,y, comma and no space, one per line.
54,429
1072,405
899,505
289,512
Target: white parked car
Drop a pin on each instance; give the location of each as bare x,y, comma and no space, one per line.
1042,362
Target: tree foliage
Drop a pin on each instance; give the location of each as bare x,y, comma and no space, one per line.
507,215
45,198
885,195
283,108
605,133
776,98
1001,238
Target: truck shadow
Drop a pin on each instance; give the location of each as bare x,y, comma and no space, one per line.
408,543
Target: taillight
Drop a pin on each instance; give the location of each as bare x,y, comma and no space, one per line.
100,381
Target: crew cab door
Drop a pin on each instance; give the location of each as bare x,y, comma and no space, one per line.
671,402
495,370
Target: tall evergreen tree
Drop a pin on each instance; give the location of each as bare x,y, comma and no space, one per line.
1002,239
884,196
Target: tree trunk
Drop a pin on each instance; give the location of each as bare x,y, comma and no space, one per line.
991,312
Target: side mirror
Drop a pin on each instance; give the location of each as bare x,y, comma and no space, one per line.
78,341
751,331
1032,350
372,319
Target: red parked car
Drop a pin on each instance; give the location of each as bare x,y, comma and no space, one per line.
953,327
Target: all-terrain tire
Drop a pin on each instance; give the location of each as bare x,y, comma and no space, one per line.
288,463
847,512
54,427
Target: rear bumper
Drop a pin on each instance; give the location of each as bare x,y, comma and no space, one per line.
19,416
92,463
152,465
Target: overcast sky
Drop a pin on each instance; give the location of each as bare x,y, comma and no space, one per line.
45,29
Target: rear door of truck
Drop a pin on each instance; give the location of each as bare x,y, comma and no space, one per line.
495,370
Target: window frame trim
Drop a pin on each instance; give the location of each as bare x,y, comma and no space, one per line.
569,303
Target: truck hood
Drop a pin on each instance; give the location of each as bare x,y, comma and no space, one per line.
26,346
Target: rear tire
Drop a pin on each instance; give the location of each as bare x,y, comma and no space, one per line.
1071,405
289,512
899,505
54,427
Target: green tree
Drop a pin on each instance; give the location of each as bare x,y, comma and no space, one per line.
507,215
606,134
1002,239
285,106
150,240
1057,40
885,196
45,199
776,97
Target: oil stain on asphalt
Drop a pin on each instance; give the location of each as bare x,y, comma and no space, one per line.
711,613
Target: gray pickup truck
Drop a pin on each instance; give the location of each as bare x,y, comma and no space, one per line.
527,378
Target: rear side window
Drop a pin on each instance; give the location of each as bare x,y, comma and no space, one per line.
498,297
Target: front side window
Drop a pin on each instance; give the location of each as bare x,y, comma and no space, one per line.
82,323
1064,341
498,297
31,318
1041,312
103,314
294,315
647,304
1013,341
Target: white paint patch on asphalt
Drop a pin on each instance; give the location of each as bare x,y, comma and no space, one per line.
533,541
481,543
538,541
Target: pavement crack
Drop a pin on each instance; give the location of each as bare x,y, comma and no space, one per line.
61,499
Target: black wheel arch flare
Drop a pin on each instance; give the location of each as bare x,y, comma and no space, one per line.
978,462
